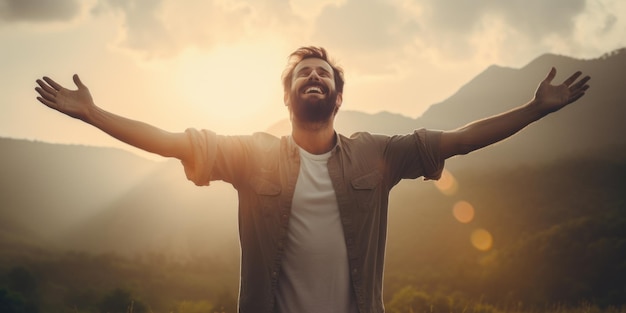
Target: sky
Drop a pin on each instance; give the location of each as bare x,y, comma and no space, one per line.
216,64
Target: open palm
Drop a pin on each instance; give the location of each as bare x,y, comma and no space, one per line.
75,103
552,98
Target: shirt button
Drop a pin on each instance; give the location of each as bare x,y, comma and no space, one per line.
274,274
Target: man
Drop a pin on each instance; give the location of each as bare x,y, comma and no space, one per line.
312,205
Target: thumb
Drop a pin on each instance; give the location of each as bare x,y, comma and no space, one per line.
551,75
78,83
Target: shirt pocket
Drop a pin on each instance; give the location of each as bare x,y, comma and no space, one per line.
267,193
366,189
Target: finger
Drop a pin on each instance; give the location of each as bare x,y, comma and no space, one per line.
52,83
45,87
572,78
46,95
575,96
581,82
78,82
577,93
47,102
551,75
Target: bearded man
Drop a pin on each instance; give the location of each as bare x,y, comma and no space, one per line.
312,205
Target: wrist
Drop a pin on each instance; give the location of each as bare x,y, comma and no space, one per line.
92,114
536,108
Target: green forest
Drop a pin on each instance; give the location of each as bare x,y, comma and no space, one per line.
559,245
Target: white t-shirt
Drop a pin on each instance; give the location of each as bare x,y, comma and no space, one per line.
315,275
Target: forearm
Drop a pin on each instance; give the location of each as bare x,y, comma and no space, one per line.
139,134
490,130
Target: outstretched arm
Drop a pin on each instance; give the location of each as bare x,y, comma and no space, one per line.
80,105
548,98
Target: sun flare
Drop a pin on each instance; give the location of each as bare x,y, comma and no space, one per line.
234,83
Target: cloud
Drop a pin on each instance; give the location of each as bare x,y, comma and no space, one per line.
163,28
365,25
143,30
608,24
372,25
531,17
456,31
373,33
537,18
462,29
38,10
390,32
600,29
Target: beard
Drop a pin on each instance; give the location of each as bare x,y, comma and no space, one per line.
314,111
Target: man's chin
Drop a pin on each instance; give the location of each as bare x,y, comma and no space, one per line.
314,108
314,113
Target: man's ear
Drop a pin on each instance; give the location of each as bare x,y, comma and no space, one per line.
339,100
286,99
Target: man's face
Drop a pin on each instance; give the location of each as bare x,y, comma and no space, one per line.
313,97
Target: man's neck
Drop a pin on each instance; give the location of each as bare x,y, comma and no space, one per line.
316,138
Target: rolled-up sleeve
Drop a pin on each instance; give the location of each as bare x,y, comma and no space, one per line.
204,152
414,155
428,148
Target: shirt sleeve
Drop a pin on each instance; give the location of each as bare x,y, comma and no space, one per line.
227,158
428,142
204,152
415,155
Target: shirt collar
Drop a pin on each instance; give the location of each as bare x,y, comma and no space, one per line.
293,146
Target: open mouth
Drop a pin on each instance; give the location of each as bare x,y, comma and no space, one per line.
314,89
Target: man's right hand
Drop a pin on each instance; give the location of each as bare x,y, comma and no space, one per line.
75,103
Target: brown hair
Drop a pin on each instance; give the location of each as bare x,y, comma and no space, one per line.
308,53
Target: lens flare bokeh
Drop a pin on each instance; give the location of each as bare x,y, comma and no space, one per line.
463,211
482,239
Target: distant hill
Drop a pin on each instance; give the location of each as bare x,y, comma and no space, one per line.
592,126
104,199
164,214
45,189
101,199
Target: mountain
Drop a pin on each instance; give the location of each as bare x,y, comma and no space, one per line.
107,200
102,199
45,188
591,126
165,214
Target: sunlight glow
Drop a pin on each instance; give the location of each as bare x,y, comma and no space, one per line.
481,239
233,83
311,9
447,184
463,211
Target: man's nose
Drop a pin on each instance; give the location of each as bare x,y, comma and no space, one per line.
314,76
